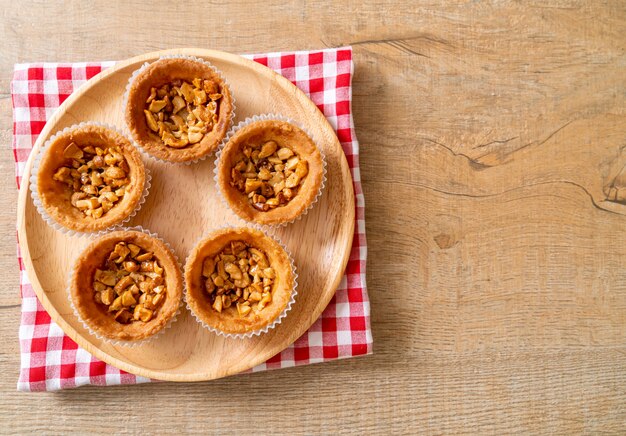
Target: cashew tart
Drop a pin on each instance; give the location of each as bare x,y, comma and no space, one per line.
238,280
178,109
90,178
270,172
126,286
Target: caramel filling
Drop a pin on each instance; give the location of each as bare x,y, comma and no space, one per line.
241,277
269,175
96,177
130,284
181,113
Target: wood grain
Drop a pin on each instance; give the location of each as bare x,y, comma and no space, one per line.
489,134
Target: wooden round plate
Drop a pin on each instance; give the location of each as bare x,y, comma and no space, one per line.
181,207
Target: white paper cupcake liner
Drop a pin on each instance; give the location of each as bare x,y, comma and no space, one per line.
279,318
134,75
34,190
265,117
129,344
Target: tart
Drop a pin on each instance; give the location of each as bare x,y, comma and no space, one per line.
270,172
238,281
126,286
178,110
90,178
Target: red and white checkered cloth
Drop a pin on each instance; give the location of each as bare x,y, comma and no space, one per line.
50,360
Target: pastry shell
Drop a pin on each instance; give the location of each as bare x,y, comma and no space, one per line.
229,321
285,134
95,316
54,196
164,71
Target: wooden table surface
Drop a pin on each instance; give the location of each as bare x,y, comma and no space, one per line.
493,156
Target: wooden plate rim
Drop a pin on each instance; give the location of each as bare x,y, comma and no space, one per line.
24,196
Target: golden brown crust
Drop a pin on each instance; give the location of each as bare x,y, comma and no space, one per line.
285,134
95,315
228,320
54,195
165,71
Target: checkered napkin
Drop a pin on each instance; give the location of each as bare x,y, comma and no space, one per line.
50,360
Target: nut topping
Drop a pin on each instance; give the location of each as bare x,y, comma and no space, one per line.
239,277
97,178
270,175
131,288
181,113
